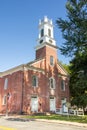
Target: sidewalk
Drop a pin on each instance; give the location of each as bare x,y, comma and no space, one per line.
64,122
20,118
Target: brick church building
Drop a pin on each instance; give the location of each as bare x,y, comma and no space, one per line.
38,86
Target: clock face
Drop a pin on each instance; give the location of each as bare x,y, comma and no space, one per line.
50,41
41,41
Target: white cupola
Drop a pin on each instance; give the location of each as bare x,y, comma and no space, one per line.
45,32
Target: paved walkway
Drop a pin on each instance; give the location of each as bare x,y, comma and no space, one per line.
18,117
65,122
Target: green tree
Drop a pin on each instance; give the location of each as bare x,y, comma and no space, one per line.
66,67
78,81
74,31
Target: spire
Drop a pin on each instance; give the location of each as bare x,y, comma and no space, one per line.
45,20
46,44
46,34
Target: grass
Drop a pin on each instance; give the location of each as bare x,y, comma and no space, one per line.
80,119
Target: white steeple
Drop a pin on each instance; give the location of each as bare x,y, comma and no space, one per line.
45,32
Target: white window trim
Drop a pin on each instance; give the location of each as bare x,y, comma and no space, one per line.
42,32
63,88
4,98
51,62
36,81
6,83
54,83
49,32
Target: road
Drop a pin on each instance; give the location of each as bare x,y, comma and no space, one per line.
16,124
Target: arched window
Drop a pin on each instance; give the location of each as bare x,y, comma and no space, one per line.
49,32
42,32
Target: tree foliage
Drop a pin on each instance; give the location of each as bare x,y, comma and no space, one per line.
66,67
74,31
78,80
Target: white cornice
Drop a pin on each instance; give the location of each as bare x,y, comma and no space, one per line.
10,71
37,61
34,69
20,68
45,44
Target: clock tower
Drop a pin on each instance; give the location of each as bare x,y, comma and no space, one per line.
46,44
46,32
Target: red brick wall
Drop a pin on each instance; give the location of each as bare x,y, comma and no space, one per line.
41,53
52,71
15,81
29,90
46,52
43,90
40,64
21,89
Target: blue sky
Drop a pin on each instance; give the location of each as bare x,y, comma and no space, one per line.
19,29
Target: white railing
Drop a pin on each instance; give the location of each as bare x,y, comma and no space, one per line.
70,112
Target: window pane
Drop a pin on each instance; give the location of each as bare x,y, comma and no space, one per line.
34,81
63,85
51,60
4,100
52,83
42,32
6,83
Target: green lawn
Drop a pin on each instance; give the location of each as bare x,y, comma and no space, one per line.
80,119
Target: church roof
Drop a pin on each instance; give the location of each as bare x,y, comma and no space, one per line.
62,72
20,68
34,61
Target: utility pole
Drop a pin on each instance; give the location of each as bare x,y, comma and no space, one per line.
7,97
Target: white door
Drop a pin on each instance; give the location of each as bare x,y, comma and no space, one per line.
52,104
64,107
34,104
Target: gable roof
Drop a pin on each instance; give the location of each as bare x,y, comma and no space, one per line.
20,68
62,70
35,61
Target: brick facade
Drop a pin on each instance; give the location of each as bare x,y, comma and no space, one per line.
22,96
20,84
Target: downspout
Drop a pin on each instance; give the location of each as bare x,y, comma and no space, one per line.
22,87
